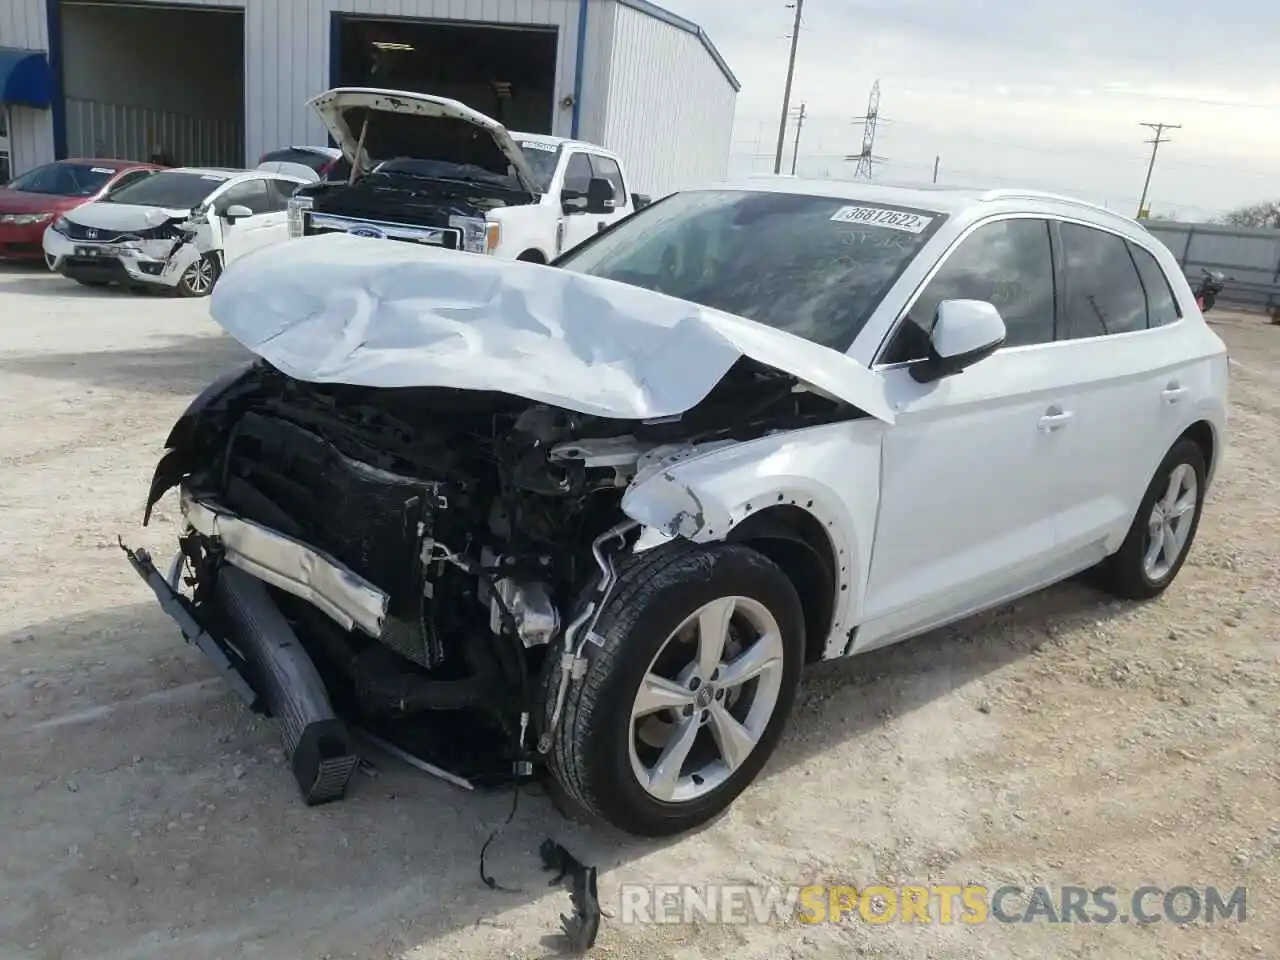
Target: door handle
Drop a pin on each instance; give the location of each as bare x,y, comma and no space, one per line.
1173,392
1055,418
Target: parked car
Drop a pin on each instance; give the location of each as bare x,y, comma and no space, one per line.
33,200
621,502
307,162
434,171
176,230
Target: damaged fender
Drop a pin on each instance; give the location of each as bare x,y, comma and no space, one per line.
831,472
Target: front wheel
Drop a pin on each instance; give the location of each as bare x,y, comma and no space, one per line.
1164,528
199,278
688,691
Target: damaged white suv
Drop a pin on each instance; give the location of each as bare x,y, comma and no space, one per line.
595,518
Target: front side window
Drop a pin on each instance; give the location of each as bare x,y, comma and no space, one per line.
1008,263
1162,305
812,266
577,174
251,193
169,188
607,169
1104,293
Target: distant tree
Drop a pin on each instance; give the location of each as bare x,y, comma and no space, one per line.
1257,215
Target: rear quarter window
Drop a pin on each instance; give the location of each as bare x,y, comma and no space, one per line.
1162,305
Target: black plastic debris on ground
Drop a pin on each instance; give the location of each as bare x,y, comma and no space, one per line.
583,925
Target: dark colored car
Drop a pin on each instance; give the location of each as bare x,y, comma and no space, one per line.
327,163
33,200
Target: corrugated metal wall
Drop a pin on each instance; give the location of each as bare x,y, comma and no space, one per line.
23,24
126,132
1251,257
287,55
670,107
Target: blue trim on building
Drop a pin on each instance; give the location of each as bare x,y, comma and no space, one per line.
58,104
335,57
25,79
580,62
688,26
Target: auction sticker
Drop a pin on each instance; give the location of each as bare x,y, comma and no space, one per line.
880,217
535,145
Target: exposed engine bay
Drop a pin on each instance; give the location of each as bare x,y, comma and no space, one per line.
480,522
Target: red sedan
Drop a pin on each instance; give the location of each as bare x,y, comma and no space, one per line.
30,202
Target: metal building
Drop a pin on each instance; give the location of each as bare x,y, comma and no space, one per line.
220,82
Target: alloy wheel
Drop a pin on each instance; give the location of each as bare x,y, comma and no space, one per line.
1169,525
706,699
199,276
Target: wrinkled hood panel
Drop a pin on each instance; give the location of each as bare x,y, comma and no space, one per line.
123,216
421,126
343,309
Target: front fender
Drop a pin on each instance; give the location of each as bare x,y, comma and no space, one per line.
831,472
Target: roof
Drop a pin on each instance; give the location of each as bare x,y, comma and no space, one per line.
228,173
688,26
113,163
937,197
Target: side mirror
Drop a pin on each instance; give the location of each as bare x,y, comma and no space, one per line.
236,212
640,200
964,332
599,196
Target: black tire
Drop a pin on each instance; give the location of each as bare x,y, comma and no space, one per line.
188,285
532,256
656,591
92,283
1124,572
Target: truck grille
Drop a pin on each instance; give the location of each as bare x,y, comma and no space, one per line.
370,520
448,237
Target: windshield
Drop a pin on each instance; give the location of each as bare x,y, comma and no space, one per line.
169,188
542,158
443,170
64,179
813,266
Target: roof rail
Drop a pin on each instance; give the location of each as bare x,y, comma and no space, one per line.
1006,193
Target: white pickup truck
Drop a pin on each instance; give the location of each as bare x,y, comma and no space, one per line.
431,170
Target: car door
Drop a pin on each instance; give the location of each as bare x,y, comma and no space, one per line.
578,225
264,226
1118,335
968,469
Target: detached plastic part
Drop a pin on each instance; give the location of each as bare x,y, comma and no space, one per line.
583,925
320,748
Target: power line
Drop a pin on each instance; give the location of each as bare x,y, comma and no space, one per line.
1155,142
786,95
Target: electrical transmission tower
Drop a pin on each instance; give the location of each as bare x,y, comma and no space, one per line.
867,156
1155,142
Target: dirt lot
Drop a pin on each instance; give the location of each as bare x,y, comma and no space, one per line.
1067,740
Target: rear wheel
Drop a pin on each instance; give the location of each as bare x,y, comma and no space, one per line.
688,692
1163,529
199,278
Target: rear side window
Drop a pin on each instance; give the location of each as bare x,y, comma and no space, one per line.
1104,293
607,169
1008,263
577,174
1162,305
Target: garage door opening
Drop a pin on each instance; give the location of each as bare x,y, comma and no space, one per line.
153,81
506,72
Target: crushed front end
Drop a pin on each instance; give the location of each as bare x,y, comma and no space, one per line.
405,560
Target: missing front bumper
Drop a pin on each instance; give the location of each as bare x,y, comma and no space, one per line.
265,664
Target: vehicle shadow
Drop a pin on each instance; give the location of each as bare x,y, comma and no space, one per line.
183,365
163,757
36,280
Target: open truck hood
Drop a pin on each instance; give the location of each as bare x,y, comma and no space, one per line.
343,309
418,125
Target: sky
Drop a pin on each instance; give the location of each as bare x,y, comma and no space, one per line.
1038,94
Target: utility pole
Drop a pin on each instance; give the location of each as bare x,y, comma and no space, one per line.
1155,142
936,160
786,94
795,153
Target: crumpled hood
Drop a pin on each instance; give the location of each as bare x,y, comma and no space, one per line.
123,216
344,309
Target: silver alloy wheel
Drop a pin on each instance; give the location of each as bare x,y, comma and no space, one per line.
706,699
1170,523
199,276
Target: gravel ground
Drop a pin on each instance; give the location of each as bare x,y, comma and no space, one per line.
1066,740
